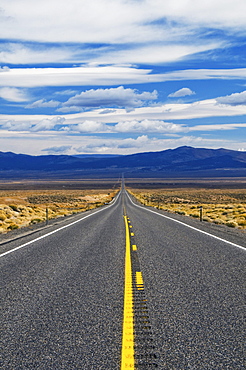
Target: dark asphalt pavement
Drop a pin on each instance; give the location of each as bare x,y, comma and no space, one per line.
196,291
62,295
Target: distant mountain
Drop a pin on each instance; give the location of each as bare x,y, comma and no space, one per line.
181,161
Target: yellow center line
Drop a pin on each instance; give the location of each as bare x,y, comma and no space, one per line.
127,352
139,280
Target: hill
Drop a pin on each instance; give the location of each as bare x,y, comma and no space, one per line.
182,161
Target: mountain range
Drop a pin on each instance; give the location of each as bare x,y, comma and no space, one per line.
182,161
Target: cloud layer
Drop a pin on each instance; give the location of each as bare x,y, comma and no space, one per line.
113,97
107,75
233,99
121,76
185,91
124,21
13,94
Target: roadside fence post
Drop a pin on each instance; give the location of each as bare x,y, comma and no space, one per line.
201,213
47,215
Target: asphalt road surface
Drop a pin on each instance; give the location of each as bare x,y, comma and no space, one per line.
62,293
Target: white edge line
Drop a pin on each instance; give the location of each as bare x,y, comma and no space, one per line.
61,228
191,227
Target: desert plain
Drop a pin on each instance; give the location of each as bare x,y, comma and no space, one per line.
217,200
27,203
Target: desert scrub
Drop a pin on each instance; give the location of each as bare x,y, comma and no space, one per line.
36,220
231,224
242,223
188,201
13,227
195,215
14,207
182,213
218,221
28,207
2,217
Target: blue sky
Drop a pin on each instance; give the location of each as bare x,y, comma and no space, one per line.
122,76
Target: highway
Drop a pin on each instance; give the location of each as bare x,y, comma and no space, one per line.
80,295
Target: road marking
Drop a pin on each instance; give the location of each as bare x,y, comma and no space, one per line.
144,342
190,227
132,234
139,280
55,231
127,351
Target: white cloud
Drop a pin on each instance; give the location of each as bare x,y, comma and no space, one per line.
97,146
15,126
107,145
213,13
139,142
19,53
204,74
148,126
85,23
113,97
233,99
144,143
108,75
4,69
76,76
90,126
13,94
170,112
43,104
29,124
58,149
155,54
123,22
165,112
67,127
35,142
217,127
66,92
185,91
155,117
106,111
47,124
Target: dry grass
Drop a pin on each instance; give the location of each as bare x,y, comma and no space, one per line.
220,206
19,208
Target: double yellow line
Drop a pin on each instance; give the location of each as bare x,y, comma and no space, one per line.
127,352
